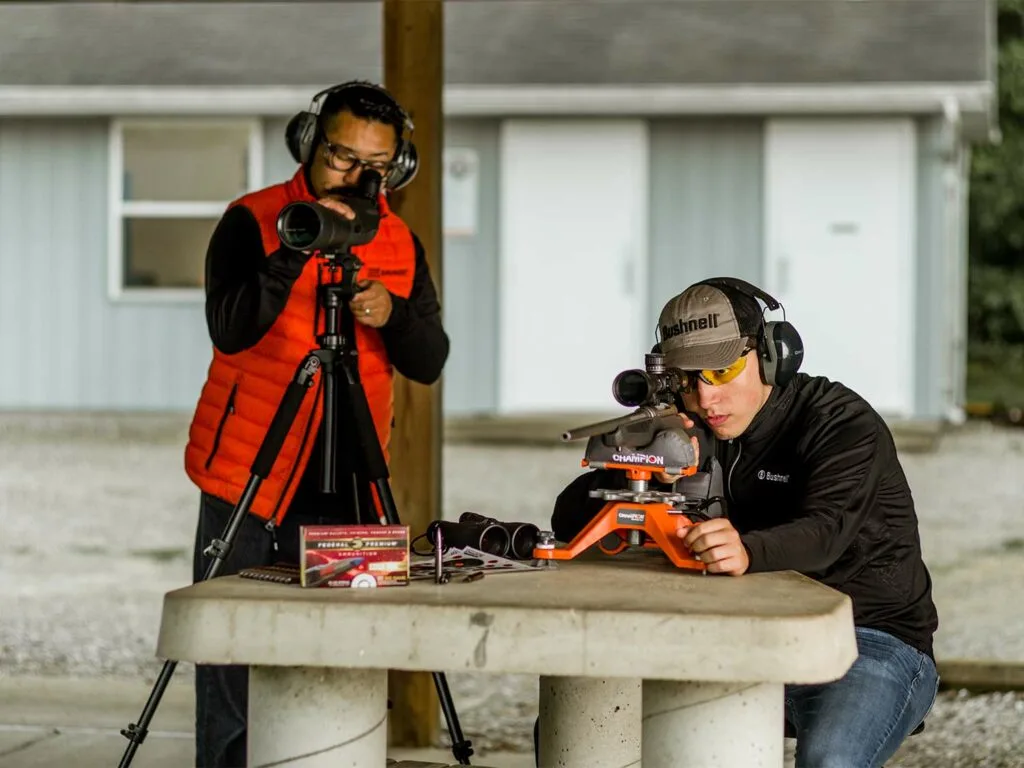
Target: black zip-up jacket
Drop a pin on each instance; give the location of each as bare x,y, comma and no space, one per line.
246,290
815,485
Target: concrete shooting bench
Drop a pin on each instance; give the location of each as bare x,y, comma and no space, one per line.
637,659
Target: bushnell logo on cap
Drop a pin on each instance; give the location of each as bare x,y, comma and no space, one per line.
699,329
684,326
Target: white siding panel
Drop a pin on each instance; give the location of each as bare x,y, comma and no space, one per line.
63,343
706,203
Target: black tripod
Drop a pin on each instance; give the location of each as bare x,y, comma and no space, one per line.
331,356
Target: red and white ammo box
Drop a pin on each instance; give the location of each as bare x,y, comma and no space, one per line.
354,555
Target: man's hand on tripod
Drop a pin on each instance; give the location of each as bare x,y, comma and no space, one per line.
372,305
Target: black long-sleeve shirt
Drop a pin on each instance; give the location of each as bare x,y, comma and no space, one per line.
815,485
246,290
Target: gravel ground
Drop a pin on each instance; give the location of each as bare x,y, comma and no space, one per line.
963,731
98,521
967,731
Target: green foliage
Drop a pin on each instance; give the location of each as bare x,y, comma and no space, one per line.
996,227
997,170
995,374
995,307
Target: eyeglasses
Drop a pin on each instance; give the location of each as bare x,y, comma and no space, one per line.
341,159
716,377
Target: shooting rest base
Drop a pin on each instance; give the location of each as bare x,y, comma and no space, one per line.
659,520
639,510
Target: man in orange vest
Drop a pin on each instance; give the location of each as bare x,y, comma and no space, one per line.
263,315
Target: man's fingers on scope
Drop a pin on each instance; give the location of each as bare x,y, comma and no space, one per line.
334,205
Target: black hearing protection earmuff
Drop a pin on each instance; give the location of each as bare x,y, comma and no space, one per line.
303,134
779,346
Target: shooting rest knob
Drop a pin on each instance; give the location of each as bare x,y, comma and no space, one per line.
546,540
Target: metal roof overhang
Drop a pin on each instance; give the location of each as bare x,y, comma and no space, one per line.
973,103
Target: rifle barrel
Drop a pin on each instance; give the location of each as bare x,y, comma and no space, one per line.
647,413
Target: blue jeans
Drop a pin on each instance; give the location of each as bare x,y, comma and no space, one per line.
860,720
222,692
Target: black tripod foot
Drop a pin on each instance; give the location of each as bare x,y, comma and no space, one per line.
462,751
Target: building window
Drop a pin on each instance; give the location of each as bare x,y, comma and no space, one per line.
170,183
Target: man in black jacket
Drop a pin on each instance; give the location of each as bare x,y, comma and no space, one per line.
813,484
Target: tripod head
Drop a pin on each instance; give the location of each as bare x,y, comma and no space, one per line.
340,288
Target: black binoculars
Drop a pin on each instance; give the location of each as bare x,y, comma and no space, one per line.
514,541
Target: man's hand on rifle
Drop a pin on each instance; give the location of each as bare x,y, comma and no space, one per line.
664,477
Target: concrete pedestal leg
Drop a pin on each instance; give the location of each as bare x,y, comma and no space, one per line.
308,717
713,725
587,721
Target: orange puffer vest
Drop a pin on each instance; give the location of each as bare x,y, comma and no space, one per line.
242,391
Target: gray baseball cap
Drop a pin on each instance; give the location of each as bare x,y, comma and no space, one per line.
708,327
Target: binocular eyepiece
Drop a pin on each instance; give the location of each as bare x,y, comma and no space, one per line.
514,541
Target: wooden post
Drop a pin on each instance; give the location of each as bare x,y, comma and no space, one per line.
414,73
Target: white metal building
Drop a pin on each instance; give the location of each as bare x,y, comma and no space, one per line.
600,156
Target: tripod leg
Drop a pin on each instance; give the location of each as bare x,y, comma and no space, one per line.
377,471
269,449
329,468
136,734
461,747
387,501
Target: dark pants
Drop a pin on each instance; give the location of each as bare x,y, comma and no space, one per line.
222,692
